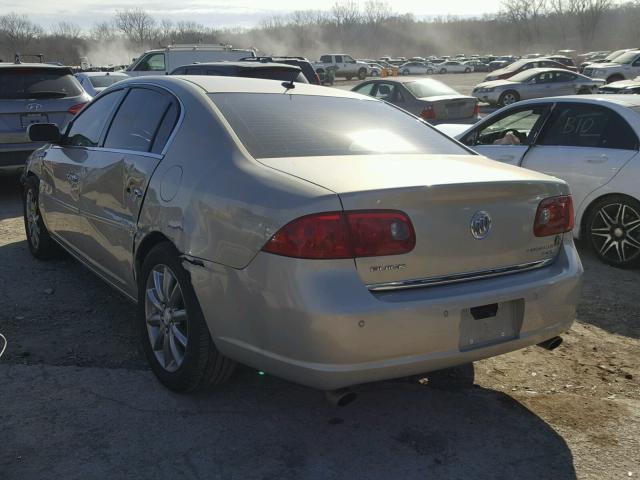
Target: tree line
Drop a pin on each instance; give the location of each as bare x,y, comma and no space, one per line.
371,30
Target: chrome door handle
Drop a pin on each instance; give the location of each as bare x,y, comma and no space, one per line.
135,191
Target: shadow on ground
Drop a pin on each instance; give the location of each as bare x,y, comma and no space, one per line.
100,423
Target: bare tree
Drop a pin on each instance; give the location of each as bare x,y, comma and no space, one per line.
588,14
18,31
103,31
377,12
137,25
66,30
345,14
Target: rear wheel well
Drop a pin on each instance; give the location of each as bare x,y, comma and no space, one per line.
148,242
587,211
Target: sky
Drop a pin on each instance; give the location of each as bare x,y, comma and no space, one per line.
220,13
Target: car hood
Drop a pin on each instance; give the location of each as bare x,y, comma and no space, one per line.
455,130
604,65
494,83
622,83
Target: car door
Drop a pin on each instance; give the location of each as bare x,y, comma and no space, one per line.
340,65
564,83
116,180
65,166
491,137
584,144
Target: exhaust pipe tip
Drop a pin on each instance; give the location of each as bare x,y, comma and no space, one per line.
551,344
341,397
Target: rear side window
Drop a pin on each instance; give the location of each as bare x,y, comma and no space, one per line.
588,126
138,119
87,128
279,125
166,127
33,83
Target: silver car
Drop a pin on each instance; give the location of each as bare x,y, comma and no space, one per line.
535,83
94,82
426,98
315,234
33,93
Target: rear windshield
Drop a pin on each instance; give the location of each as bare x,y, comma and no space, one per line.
28,83
281,125
429,88
106,81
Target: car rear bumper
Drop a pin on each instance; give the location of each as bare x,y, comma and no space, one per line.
13,157
316,323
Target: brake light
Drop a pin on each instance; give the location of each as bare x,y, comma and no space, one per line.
476,110
428,113
318,82
335,235
76,108
554,216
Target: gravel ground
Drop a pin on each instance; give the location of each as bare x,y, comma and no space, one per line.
77,399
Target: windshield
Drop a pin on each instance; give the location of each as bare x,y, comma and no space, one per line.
429,88
27,83
522,76
613,56
107,80
280,125
627,57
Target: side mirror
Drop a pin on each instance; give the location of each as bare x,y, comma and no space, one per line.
43,132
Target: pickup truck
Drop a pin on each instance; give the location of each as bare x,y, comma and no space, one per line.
624,67
344,65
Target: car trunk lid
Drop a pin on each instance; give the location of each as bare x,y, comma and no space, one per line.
441,195
449,107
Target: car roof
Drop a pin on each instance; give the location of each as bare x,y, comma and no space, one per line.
44,66
223,84
623,100
548,69
247,65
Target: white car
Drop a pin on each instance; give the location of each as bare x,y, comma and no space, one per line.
416,68
626,66
454,67
95,82
591,142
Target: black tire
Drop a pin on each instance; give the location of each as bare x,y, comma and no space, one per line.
430,71
362,74
584,91
509,97
202,365
467,70
41,245
614,78
612,229
405,72
443,71
348,77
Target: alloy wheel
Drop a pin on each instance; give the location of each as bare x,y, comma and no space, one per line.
509,98
33,217
166,317
615,232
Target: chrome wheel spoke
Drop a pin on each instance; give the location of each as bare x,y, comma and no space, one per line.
175,296
179,316
166,351
167,284
175,352
157,285
158,340
179,336
153,298
632,242
606,218
154,320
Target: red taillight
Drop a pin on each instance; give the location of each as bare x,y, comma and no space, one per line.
476,110
428,113
335,235
554,216
76,108
318,82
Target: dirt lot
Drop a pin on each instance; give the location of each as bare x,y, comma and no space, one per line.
77,400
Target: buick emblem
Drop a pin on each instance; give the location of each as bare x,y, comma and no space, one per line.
480,225
34,107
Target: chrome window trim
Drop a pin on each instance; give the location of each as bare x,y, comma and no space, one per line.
459,277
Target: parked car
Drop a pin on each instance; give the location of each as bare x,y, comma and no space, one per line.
604,58
623,86
345,66
564,60
94,82
626,66
33,93
477,66
164,60
452,66
535,83
305,65
592,143
268,71
215,203
521,66
426,98
501,62
416,68
376,70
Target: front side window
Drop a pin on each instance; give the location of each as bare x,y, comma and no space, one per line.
87,128
152,63
385,91
338,59
588,126
515,128
366,89
136,123
277,125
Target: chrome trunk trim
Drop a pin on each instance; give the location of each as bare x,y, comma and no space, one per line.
458,277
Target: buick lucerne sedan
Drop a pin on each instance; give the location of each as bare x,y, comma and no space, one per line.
319,235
